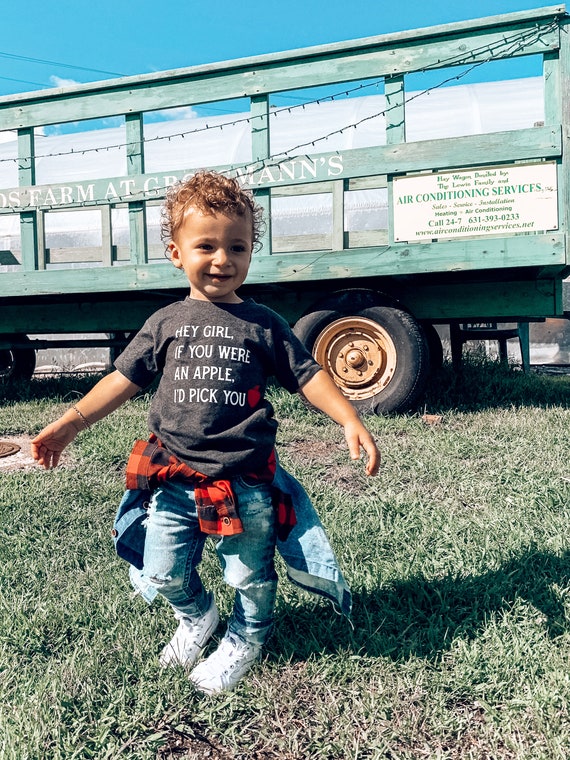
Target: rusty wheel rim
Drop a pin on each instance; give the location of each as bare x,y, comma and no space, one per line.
358,354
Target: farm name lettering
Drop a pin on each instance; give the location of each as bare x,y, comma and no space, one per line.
150,187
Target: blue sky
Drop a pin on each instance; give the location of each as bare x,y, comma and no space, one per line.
48,44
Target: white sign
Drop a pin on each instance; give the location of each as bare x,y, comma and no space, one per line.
501,200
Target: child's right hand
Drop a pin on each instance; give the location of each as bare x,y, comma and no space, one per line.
109,393
51,441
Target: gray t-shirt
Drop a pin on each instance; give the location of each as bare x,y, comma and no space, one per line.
210,408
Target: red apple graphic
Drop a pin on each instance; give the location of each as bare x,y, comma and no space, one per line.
253,396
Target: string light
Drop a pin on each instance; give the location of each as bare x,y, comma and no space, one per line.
502,49
458,59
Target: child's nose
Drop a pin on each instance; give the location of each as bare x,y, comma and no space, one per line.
221,256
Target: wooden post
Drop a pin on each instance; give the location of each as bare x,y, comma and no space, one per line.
137,209
261,150
31,233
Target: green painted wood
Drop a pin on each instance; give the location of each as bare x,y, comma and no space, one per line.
546,251
318,262
138,232
260,151
41,255
96,280
562,88
29,238
338,241
395,260
135,143
386,55
106,236
135,167
468,151
101,315
394,91
513,300
468,300
26,157
28,220
552,88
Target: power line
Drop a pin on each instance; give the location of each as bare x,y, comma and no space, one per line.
29,59
25,81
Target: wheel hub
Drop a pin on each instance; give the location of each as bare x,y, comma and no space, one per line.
355,359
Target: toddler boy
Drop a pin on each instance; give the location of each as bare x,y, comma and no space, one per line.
210,462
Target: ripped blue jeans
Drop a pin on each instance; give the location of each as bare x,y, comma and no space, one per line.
173,550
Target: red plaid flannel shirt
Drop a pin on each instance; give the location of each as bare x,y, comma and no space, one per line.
150,464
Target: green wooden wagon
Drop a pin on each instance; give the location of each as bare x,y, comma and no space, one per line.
391,206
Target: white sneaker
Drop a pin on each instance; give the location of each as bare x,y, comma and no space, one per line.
190,638
225,667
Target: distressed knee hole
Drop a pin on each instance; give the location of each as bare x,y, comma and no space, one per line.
160,580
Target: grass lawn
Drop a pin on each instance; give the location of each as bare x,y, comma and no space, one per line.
458,555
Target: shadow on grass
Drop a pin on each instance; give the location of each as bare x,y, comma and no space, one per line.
55,388
481,383
422,617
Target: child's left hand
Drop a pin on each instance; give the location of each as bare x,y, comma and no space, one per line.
321,392
358,436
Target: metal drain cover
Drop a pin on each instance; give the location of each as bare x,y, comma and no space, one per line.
7,448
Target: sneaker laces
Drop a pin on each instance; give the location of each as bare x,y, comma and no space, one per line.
189,638
236,650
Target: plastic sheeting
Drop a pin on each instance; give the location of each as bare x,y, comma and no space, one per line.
195,142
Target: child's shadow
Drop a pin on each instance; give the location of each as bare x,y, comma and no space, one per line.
422,617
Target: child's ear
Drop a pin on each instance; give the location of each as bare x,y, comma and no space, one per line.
174,254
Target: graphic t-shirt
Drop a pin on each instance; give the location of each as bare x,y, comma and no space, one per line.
210,408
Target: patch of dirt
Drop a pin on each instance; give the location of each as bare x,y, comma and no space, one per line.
21,459
196,744
310,452
197,749
187,748
344,475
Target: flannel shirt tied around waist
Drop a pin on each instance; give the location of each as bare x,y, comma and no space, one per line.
150,464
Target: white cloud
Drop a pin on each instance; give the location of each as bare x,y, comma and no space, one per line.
184,112
59,82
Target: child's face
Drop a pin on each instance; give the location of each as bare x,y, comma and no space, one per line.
214,251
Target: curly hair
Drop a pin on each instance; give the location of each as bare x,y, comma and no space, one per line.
210,193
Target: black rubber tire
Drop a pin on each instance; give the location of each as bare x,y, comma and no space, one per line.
405,382
17,363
